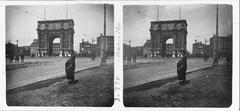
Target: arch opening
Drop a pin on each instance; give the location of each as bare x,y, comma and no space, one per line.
54,46
168,47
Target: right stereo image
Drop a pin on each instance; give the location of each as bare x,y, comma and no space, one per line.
177,55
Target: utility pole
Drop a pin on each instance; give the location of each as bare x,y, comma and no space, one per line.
205,45
205,41
17,43
66,11
158,13
216,56
92,40
217,27
44,14
104,20
179,12
104,29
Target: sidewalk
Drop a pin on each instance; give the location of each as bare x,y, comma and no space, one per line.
47,69
210,87
166,68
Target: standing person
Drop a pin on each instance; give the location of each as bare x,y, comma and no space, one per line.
92,56
134,58
103,59
182,68
70,69
206,56
22,57
11,57
16,58
215,60
129,59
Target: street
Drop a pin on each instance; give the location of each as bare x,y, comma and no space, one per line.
39,69
95,88
207,88
145,72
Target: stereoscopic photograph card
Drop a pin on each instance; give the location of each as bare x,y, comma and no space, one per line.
121,55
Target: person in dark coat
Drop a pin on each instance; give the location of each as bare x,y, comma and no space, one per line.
11,58
134,58
22,57
16,58
215,60
70,69
129,59
181,69
103,59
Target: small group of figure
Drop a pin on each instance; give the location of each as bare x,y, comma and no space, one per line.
70,69
16,58
182,68
93,56
205,57
134,57
103,60
215,59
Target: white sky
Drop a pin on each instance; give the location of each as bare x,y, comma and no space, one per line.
201,20
21,21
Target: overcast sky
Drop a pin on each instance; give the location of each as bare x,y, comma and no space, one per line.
21,21
201,20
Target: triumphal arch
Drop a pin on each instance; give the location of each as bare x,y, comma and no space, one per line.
161,31
49,30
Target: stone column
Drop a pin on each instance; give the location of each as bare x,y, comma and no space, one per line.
45,41
61,43
69,39
152,36
182,37
160,44
39,36
174,44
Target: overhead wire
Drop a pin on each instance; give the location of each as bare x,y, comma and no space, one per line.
27,12
141,13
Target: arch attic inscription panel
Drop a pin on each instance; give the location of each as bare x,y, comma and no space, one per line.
161,31
51,29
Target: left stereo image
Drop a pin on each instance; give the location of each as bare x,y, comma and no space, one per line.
59,55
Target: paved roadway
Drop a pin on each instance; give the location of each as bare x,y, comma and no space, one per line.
39,69
165,68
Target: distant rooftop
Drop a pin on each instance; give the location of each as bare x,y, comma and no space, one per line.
169,21
52,21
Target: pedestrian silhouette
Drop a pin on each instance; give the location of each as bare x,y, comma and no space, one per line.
182,68
70,69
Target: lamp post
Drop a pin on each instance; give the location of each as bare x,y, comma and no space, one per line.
17,43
